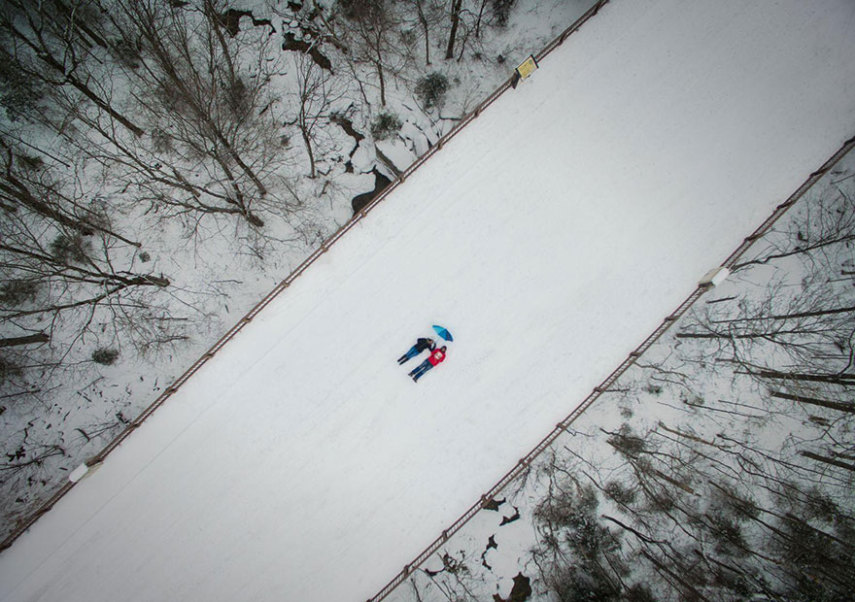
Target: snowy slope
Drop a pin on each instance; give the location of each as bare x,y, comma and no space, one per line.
551,236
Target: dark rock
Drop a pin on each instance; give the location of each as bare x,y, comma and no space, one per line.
493,504
231,21
292,43
509,519
520,592
361,200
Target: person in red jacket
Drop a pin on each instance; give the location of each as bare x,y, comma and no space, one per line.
436,357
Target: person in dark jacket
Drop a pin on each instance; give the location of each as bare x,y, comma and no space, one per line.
434,359
421,345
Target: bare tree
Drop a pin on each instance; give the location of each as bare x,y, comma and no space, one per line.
71,270
801,325
208,99
52,47
316,93
824,229
428,13
26,182
372,25
58,254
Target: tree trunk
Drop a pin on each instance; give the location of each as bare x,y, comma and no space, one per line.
828,460
79,274
800,314
832,405
840,379
20,194
689,589
478,21
307,140
104,105
455,20
426,27
30,339
756,335
805,249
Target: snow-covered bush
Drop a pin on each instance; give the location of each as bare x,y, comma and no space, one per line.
69,248
20,96
161,141
431,90
30,162
619,493
502,11
14,293
568,527
105,356
385,125
8,368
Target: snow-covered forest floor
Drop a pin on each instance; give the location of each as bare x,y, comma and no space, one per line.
721,466
140,259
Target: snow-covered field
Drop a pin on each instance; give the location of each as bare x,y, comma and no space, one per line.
551,236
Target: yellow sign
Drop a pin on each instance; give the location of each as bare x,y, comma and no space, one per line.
527,67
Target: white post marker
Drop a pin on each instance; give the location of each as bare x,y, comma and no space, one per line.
524,70
83,471
714,277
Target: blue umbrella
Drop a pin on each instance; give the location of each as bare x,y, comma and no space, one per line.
443,332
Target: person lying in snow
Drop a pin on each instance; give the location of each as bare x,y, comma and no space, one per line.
421,345
433,359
